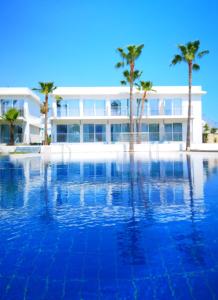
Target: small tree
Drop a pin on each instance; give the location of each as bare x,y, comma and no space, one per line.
145,87
129,56
45,88
213,130
206,132
188,54
11,116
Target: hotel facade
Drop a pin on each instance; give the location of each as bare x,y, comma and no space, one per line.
27,126
101,115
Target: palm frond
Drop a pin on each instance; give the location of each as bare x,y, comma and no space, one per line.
119,65
177,59
11,115
202,53
195,67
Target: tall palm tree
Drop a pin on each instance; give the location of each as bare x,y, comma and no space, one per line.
129,56
188,54
45,88
145,87
11,116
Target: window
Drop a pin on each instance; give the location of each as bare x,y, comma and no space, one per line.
120,107
94,107
153,132
67,108
150,132
120,132
73,133
153,107
173,132
173,106
138,107
68,133
94,133
6,104
5,134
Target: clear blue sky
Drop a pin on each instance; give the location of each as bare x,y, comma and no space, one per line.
73,42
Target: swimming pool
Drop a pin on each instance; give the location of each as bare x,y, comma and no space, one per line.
112,228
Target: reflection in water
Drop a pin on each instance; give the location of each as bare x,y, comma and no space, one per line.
146,217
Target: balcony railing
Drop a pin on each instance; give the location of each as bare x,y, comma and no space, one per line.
94,137
5,109
18,138
123,111
68,112
94,112
68,137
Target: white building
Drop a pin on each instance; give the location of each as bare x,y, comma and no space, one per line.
101,114
27,129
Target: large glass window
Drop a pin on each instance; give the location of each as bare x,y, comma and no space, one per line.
173,106
6,104
73,133
68,108
120,132
94,133
173,132
150,132
120,107
153,107
138,107
68,133
5,134
94,107
154,132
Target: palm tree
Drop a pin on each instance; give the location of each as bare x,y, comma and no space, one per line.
129,56
144,86
188,54
11,116
46,88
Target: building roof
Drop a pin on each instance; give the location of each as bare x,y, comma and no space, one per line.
119,90
18,91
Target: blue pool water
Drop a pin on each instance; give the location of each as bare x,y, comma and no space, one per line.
118,228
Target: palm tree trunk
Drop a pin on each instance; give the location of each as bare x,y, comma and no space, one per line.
140,119
131,140
46,121
188,136
11,142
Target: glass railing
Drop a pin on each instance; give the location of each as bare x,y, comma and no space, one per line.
18,138
68,137
119,112
142,137
174,111
92,113
70,112
173,136
5,109
94,137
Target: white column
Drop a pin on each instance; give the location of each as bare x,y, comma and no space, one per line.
108,133
161,131
81,107
54,108
26,134
26,109
54,132
81,132
108,107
